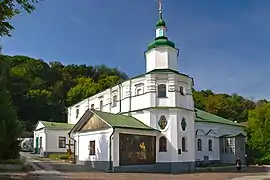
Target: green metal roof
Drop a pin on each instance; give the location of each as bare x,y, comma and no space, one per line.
121,121
202,116
232,135
160,71
160,23
160,41
57,125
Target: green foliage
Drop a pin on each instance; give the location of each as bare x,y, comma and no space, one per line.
10,128
10,8
59,156
42,91
259,130
12,161
232,107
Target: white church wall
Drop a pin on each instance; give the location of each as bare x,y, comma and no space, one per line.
101,139
188,133
144,116
217,131
135,94
161,58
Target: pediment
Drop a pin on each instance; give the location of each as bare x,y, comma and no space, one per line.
39,125
200,132
211,132
94,123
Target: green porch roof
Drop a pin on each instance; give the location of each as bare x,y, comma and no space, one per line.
57,125
121,121
113,120
232,135
202,116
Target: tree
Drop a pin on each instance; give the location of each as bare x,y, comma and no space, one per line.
10,127
85,88
10,8
259,128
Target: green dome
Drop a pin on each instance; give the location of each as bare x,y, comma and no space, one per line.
160,41
160,23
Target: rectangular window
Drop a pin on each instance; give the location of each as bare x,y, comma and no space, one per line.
101,105
77,112
92,148
114,103
62,142
40,142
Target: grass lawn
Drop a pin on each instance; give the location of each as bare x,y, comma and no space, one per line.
60,156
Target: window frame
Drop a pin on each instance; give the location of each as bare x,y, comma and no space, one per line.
114,100
77,112
62,139
181,90
184,142
92,150
162,140
199,144
210,145
162,94
101,105
92,106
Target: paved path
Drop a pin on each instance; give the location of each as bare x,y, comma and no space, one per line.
43,170
265,176
57,170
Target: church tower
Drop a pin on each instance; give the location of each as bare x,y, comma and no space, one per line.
161,53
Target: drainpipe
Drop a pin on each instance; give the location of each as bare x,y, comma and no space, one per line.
130,93
46,134
74,148
110,152
120,97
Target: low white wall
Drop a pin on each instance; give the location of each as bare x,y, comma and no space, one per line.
101,139
53,141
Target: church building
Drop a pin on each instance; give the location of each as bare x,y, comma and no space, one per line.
149,124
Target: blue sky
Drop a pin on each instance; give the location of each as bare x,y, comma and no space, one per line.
224,44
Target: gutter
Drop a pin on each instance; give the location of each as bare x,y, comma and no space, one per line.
110,152
45,131
74,148
120,97
130,93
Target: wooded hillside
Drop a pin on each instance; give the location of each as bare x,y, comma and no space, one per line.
42,91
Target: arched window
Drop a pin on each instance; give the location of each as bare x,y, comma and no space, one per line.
101,105
114,102
210,145
92,106
199,145
184,144
162,144
181,90
162,90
